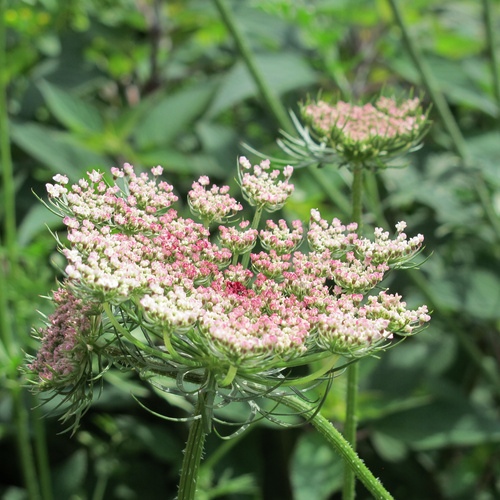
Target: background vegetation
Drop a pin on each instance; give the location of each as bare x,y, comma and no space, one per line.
94,83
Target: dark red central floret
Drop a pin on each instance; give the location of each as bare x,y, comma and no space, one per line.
236,287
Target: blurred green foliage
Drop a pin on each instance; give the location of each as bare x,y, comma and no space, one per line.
92,84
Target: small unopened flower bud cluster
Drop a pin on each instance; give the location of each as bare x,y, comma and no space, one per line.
219,306
262,187
65,342
214,205
363,133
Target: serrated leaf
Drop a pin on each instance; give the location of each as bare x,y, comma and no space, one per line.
73,112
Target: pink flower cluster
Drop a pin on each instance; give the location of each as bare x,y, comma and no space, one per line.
362,133
214,205
263,188
61,357
129,248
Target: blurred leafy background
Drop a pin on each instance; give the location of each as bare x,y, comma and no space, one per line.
93,83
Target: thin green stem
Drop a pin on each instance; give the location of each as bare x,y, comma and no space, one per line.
255,225
350,428
192,453
492,51
42,454
357,195
100,487
351,424
335,195
8,272
8,191
24,444
446,116
270,98
430,83
339,443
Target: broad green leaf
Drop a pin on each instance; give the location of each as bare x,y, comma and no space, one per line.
14,493
172,115
390,449
451,80
283,72
174,162
56,150
483,295
36,221
315,469
483,149
73,112
450,420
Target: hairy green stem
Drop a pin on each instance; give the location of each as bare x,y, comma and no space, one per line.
339,443
192,453
271,100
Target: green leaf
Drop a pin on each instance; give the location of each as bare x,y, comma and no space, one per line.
172,115
483,295
37,220
76,114
56,150
315,469
283,72
174,162
450,420
70,476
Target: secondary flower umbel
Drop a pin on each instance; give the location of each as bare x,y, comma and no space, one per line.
149,290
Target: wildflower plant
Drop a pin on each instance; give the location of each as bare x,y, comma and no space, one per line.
373,135
207,318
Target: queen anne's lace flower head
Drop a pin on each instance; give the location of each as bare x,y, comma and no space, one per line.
150,290
368,133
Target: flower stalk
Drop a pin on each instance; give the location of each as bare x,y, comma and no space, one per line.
342,446
193,452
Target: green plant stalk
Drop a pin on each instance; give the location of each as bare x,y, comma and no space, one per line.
492,52
255,224
335,195
271,100
340,444
349,484
446,116
430,83
192,453
42,454
460,147
8,267
24,444
8,191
